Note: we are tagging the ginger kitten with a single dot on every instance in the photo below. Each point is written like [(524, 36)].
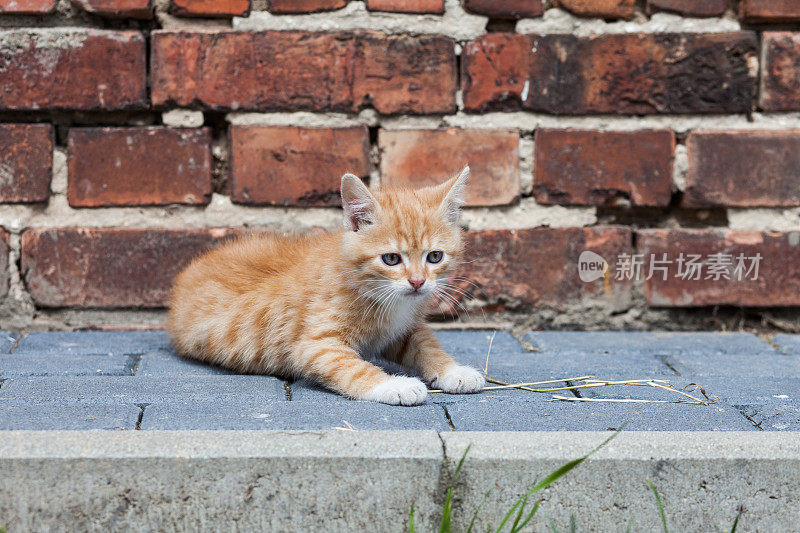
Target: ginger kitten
[(312, 306)]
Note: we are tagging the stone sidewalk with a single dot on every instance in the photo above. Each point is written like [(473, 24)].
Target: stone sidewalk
[(132, 380)]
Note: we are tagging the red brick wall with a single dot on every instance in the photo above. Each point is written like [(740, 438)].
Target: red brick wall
[(135, 133)]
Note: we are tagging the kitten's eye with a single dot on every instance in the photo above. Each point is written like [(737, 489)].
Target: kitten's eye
[(391, 259), (435, 256)]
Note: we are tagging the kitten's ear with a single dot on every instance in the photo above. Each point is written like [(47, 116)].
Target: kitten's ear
[(454, 197), (360, 207)]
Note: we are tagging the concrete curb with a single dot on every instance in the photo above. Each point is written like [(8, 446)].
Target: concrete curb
[(367, 480)]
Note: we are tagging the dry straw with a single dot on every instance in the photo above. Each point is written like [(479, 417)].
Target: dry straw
[(589, 382)]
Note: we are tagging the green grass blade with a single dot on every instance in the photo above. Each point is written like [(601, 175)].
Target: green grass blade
[(529, 517), (660, 506), (508, 516), (736, 521), (444, 524), (411, 520), (630, 525), (475, 515), (573, 527), (565, 468), (519, 513)]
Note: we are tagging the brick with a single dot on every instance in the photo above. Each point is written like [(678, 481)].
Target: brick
[(210, 8), (304, 6), (3, 265), (689, 8), (117, 8), (407, 6), (57, 68), (574, 167), (769, 10), (732, 168), (139, 166), (608, 9), (617, 74), (778, 282), (295, 166), (297, 70), (780, 72), (540, 266), (417, 158), (505, 8), (26, 162), (108, 267), (27, 7)]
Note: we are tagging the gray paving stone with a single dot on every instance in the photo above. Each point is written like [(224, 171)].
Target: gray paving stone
[(745, 390), (7, 340), (94, 342), (233, 414), (566, 416), (168, 363), (59, 364), (764, 365), (773, 417), (788, 344), (663, 343), (67, 416), (141, 389)]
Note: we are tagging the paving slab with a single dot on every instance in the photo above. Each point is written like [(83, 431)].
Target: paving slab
[(235, 414), (219, 481), (663, 342), (167, 363), (543, 415), (94, 342), (780, 417), (141, 389), (7, 341), (703, 479), (61, 364), (787, 343), (63, 416)]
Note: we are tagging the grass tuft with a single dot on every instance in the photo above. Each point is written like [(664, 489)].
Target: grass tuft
[(660, 506)]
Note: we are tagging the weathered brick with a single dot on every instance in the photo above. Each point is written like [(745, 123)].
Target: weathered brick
[(301, 70), (769, 10), (26, 162), (743, 168), (599, 168), (777, 283), (108, 267), (304, 6), (417, 158), (505, 8), (620, 74), (780, 71), (404, 74), (609, 9), (407, 6), (80, 69), (540, 266), (295, 166), (210, 8), (27, 7), (689, 8), (117, 8), (139, 166), (3, 263)]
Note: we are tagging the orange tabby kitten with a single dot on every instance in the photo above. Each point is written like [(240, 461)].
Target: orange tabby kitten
[(313, 306)]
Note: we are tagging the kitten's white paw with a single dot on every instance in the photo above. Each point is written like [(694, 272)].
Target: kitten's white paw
[(460, 380), (398, 390)]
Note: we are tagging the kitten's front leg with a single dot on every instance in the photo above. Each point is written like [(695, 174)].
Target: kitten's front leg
[(423, 352), (337, 366)]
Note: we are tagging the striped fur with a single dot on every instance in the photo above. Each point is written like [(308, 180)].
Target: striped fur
[(315, 306)]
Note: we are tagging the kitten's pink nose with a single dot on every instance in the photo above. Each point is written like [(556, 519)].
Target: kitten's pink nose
[(416, 283)]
